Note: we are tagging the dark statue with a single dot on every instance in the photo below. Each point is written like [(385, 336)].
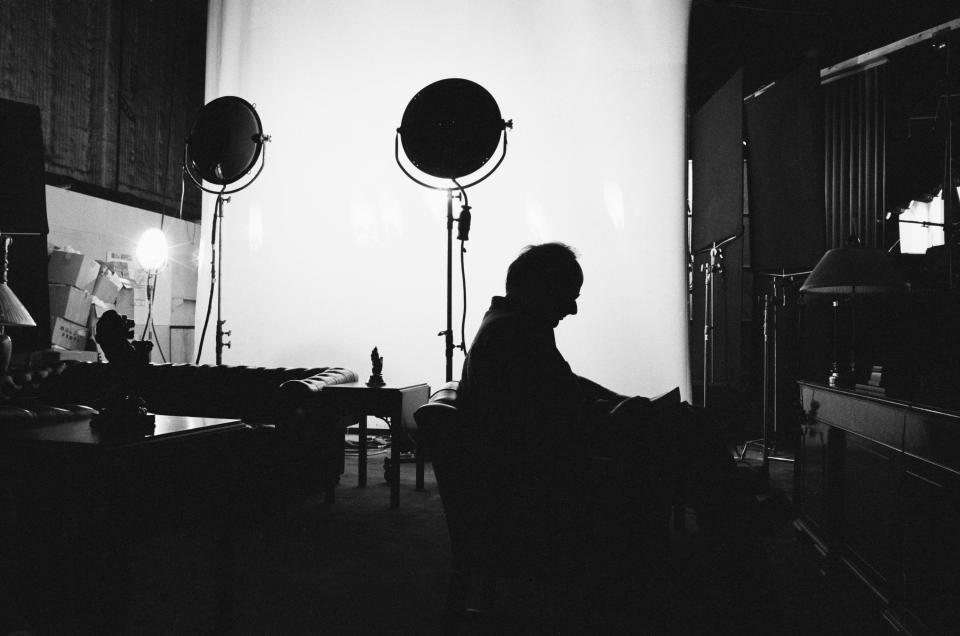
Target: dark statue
[(121, 408), (376, 377)]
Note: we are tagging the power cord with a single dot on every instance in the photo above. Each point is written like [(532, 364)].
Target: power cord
[(217, 208), (463, 234)]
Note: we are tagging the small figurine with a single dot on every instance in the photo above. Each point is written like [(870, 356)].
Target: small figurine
[(121, 409), (376, 379)]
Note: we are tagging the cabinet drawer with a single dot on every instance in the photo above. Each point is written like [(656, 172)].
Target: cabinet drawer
[(880, 421)]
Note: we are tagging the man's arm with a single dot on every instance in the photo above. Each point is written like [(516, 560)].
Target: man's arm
[(594, 392)]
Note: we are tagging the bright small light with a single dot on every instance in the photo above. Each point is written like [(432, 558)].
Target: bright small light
[(152, 250)]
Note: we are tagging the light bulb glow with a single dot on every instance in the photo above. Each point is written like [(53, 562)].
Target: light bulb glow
[(152, 250)]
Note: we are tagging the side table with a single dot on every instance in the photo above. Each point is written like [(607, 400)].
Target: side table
[(395, 403)]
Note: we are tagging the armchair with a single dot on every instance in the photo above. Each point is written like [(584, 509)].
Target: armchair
[(492, 537)]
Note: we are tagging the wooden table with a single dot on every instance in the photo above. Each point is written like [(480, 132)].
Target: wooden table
[(394, 403), (90, 497), (79, 435)]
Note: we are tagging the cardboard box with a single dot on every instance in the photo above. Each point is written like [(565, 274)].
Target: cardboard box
[(124, 302), (107, 285), (71, 268), (68, 335), (69, 302)]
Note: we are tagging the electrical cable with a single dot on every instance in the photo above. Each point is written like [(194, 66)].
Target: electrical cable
[(149, 323), (463, 273), (146, 323), (156, 339)]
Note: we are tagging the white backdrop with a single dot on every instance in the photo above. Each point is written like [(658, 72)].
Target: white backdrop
[(334, 251)]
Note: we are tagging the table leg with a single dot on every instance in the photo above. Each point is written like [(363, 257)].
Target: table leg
[(362, 453), (394, 462)]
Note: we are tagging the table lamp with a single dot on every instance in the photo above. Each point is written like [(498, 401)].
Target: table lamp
[(12, 311), (849, 271)]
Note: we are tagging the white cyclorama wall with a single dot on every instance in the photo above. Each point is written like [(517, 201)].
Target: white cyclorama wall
[(334, 251), (95, 227)]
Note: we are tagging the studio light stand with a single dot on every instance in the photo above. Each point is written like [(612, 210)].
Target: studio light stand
[(713, 266), (770, 428), (225, 144), (449, 130)]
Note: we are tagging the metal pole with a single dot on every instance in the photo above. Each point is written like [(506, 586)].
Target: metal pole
[(448, 333), (707, 283), (766, 374)]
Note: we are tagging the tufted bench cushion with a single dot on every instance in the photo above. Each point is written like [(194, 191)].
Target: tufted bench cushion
[(257, 395)]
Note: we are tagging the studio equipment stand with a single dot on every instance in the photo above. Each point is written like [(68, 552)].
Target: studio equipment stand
[(449, 130), (710, 268), (770, 428), (223, 147)]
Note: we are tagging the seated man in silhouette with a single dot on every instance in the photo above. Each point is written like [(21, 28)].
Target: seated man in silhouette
[(538, 422)]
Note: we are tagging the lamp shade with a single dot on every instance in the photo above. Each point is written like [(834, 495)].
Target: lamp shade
[(12, 311), (854, 270)]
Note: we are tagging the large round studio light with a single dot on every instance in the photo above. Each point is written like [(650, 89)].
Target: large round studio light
[(225, 142), (223, 147), (451, 128)]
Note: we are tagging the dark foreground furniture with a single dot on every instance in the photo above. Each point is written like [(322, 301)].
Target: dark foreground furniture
[(878, 485), (295, 434), (77, 502), (85, 501), (493, 533)]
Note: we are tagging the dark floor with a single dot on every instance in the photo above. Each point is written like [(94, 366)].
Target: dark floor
[(359, 568)]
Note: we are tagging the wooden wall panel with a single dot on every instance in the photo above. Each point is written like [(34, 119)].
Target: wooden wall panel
[(118, 84)]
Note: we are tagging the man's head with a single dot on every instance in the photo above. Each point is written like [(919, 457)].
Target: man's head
[(545, 281)]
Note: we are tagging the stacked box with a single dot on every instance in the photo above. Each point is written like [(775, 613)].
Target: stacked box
[(72, 277), (68, 335), (69, 302), (72, 268), (107, 285)]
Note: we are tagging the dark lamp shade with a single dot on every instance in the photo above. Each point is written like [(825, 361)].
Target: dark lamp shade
[(844, 271), (12, 311)]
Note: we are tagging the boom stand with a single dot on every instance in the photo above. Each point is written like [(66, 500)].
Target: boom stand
[(711, 267), (463, 233), (770, 376), (216, 266)]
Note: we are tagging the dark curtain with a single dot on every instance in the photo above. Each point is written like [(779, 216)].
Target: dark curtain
[(785, 163), (118, 84), (717, 213), (854, 150)]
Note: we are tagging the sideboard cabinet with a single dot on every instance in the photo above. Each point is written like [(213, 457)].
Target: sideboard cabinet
[(878, 488)]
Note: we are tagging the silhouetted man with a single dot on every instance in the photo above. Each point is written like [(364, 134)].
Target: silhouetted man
[(538, 422)]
